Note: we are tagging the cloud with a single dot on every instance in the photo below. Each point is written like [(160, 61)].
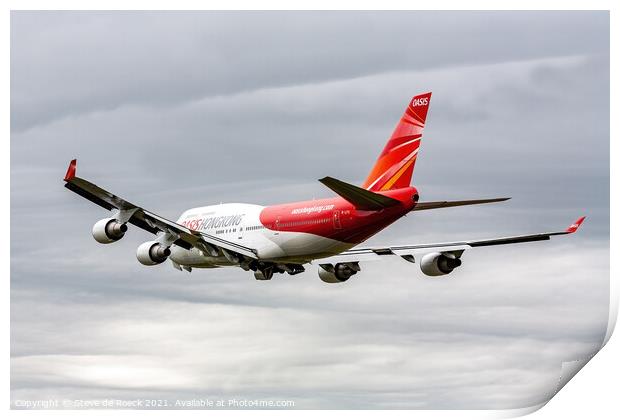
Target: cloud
[(404, 339), (78, 62)]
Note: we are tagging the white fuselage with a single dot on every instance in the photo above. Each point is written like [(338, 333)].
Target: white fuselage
[(240, 223)]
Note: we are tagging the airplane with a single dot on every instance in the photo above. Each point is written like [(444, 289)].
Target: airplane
[(284, 238)]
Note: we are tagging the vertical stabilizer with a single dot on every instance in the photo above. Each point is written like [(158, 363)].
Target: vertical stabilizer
[(394, 168)]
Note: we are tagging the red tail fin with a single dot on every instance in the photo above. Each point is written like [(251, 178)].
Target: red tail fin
[(394, 167)]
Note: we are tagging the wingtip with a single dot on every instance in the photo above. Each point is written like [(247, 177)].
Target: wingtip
[(573, 228), (71, 170)]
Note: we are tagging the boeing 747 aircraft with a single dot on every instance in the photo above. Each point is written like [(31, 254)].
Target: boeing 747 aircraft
[(284, 238)]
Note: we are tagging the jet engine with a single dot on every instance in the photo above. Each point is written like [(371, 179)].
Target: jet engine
[(152, 253), (109, 230), (337, 273), (439, 263)]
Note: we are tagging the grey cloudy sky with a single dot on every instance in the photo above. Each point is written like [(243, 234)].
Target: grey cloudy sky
[(178, 109)]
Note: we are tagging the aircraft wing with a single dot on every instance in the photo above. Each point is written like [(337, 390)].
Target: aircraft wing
[(410, 252), (149, 221)]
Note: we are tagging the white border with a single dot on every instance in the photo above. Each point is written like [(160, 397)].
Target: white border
[(592, 394)]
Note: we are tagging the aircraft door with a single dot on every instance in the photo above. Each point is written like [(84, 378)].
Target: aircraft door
[(336, 219)]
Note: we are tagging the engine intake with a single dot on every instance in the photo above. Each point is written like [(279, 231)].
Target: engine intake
[(439, 264), (337, 273), (152, 253), (109, 230)]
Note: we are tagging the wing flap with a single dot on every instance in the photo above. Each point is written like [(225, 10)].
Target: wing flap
[(97, 195), (89, 196)]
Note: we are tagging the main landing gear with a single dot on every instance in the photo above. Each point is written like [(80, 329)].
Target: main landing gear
[(265, 271)]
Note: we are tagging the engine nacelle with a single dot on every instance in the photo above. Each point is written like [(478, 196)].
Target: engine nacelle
[(109, 230), (439, 264), (152, 253), (337, 273)]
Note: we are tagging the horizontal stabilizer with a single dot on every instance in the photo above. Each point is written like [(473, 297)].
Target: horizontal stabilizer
[(441, 204), (362, 199)]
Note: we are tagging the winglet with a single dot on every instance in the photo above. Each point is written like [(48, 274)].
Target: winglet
[(573, 228), (71, 170)]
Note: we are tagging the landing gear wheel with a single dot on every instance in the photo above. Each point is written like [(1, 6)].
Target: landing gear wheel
[(264, 274)]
